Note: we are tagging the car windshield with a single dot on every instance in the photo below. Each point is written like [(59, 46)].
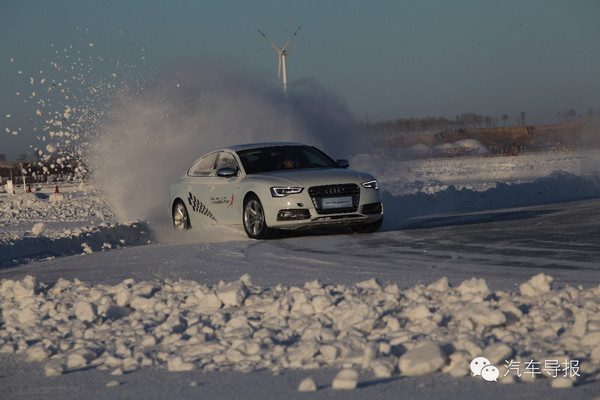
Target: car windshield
[(276, 158)]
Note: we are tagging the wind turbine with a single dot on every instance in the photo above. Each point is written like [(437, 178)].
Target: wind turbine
[(281, 69)]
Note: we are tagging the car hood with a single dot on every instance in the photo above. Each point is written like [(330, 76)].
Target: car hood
[(312, 177)]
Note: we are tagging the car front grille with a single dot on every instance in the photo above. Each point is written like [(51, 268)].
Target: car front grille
[(321, 195)]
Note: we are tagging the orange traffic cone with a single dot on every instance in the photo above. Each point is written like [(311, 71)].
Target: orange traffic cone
[(28, 188), (56, 190)]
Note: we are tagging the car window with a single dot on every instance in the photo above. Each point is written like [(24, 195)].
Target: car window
[(274, 158), (205, 166), (316, 158), (226, 160)]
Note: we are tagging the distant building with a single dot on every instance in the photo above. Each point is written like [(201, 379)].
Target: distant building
[(6, 167), (9, 170)]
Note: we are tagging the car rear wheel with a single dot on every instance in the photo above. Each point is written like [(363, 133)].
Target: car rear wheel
[(254, 219), (181, 219), (368, 228)]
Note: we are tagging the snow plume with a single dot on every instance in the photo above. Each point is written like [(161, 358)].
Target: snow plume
[(65, 96), (151, 136)]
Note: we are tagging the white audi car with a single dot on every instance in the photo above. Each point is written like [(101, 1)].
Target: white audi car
[(270, 186)]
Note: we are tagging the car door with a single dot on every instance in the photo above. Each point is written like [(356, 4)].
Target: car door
[(225, 189), (200, 185)]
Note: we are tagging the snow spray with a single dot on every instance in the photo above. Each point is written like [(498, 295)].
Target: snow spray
[(148, 138)]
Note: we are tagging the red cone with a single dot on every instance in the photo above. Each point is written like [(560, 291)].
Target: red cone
[(28, 188), (56, 190)]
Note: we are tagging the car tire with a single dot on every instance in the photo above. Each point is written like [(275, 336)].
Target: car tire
[(181, 218), (254, 219), (368, 228)]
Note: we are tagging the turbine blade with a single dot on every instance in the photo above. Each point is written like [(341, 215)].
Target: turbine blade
[(290, 41), (269, 40)]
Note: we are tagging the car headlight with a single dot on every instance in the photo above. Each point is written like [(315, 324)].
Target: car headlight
[(371, 184), (285, 191)]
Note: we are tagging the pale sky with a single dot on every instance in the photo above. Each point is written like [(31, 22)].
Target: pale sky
[(382, 59)]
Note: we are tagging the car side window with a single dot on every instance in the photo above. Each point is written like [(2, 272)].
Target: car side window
[(205, 166), (226, 160)]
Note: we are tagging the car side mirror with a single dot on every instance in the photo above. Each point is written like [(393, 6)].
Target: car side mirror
[(343, 163), (226, 172)]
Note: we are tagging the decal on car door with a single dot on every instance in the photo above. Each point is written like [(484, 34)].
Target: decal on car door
[(222, 200), (198, 207)]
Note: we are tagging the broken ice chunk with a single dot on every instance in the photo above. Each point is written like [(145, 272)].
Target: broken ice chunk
[(538, 284), (345, 379), (307, 385), (422, 360)]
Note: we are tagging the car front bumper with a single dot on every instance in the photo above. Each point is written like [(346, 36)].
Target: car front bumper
[(311, 209)]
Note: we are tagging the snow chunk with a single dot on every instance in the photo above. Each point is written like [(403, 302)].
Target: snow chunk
[(383, 367), (441, 285), (425, 359), (38, 228), (232, 294), (372, 284), (176, 363), (497, 353), (79, 358), (591, 339), (85, 311), (345, 379), (536, 285), (54, 367), (307, 385), (473, 286), (86, 248), (37, 352), (481, 314)]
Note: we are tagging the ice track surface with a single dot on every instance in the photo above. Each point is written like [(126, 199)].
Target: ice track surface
[(424, 280)]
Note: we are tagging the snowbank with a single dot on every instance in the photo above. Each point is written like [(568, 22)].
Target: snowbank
[(44, 224), (183, 325), (77, 203), (413, 188)]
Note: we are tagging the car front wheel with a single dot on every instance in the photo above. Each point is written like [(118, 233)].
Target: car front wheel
[(181, 219), (254, 219)]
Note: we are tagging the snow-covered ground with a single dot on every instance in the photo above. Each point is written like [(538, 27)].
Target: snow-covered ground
[(118, 302)]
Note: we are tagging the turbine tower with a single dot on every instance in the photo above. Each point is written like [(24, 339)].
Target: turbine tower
[(281, 68)]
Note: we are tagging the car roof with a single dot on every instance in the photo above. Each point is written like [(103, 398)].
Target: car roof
[(249, 146)]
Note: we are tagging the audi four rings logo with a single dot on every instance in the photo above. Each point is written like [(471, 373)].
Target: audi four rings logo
[(333, 190)]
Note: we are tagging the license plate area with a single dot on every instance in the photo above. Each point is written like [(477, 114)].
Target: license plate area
[(329, 203)]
